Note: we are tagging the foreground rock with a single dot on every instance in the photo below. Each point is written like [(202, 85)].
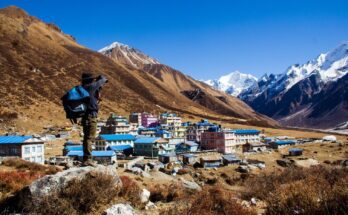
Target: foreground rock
[(120, 209), (45, 185)]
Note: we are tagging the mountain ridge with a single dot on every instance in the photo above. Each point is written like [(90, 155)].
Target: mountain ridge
[(40, 62)]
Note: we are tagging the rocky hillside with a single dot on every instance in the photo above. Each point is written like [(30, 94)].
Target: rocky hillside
[(39, 63), (308, 95)]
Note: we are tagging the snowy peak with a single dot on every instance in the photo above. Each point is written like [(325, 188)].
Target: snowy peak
[(233, 83), (125, 54), (331, 66)]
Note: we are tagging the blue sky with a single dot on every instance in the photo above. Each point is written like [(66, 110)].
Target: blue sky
[(204, 39)]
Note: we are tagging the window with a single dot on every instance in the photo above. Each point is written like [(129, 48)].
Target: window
[(27, 150), (14, 151), (33, 149), (39, 159), (32, 159), (39, 148), (27, 159)]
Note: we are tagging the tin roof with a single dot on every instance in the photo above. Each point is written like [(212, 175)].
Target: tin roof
[(119, 147), (147, 140), (117, 137), (94, 153), (14, 139)]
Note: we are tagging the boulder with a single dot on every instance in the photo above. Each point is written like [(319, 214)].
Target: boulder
[(150, 205), (190, 184), (144, 196), (120, 209), (284, 163)]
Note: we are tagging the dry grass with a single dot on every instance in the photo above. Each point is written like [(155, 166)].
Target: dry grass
[(317, 190), (22, 173), (211, 201), (130, 191), (20, 164)]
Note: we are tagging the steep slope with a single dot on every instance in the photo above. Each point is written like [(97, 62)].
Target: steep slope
[(233, 83), (291, 97), (179, 85), (39, 63)]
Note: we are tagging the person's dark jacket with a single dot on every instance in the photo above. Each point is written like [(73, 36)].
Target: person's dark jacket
[(94, 89)]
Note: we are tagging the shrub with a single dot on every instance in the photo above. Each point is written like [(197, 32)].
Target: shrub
[(12, 181), (168, 193), (216, 200), (315, 190), (130, 190), (79, 196)]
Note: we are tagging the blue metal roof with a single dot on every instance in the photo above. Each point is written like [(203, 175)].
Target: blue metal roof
[(94, 153), (13, 139), (246, 131), (117, 137), (147, 140), (295, 150), (74, 148), (285, 142), (119, 147)]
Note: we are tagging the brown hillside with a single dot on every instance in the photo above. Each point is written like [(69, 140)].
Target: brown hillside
[(38, 63)]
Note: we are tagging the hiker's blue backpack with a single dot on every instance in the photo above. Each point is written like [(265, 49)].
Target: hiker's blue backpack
[(75, 102)]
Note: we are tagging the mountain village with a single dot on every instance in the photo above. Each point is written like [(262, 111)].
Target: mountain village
[(147, 139), (166, 143)]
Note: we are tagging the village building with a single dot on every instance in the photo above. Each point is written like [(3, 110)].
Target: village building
[(121, 149), (195, 130), (295, 152), (103, 141), (279, 143), (102, 157), (163, 134), (186, 146), (230, 159), (149, 132), (170, 119), (254, 147), (151, 146), (149, 120), (116, 125), (26, 147), (210, 161), (135, 118), (189, 159), (69, 148), (167, 158), (228, 141)]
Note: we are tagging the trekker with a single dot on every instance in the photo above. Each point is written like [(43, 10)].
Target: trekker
[(89, 120)]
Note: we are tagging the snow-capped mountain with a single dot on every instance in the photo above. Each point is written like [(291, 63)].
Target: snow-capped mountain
[(127, 55), (233, 83), (295, 91)]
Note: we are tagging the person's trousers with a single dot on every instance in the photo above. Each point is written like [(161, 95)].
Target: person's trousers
[(89, 124)]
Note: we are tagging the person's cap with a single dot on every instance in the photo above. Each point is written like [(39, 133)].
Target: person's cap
[(87, 76)]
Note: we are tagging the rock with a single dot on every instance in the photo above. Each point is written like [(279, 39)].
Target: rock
[(144, 196), (243, 169), (48, 183), (284, 163), (139, 171), (120, 209), (150, 205), (253, 201), (190, 184)]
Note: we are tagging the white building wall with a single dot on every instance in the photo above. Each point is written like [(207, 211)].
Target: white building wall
[(34, 153)]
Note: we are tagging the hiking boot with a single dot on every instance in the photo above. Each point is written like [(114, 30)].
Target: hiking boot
[(89, 162)]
